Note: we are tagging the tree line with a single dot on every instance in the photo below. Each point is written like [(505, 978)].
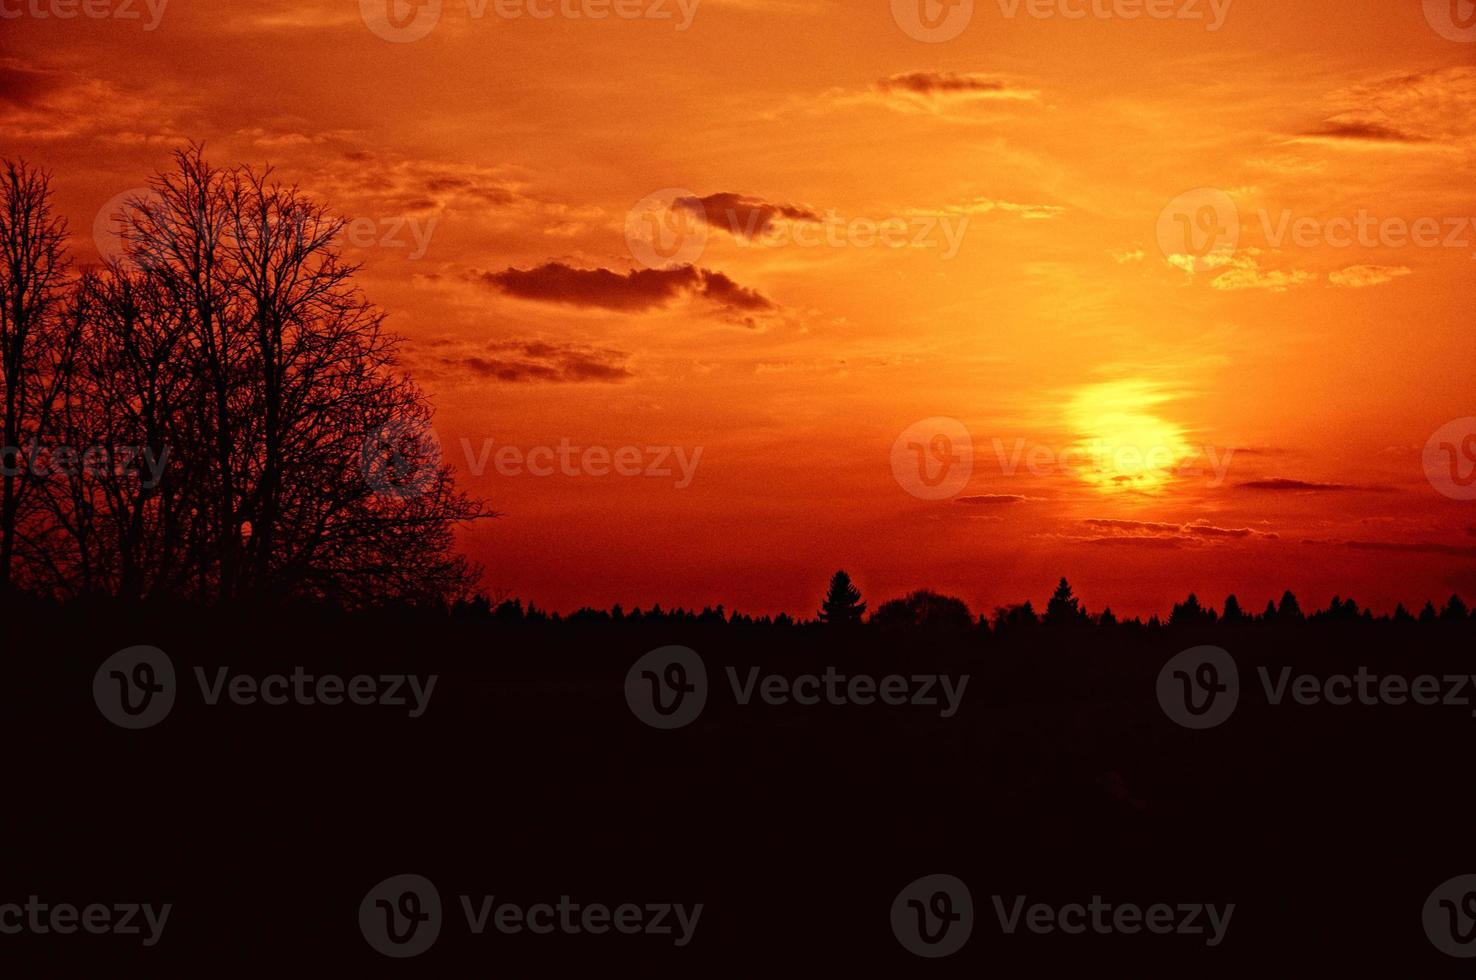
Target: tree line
[(216, 413), (843, 607)]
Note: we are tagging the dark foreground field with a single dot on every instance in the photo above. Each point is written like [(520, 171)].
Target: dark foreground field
[(528, 777)]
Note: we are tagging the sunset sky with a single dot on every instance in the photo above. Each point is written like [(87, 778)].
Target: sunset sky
[(784, 242)]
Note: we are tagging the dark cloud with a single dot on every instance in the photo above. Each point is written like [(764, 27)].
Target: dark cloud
[(534, 361), (1305, 486), (1208, 530), (1365, 132), (24, 86), (740, 215), (1149, 527), (1142, 529), (992, 500), (944, 84), (636, 291), (1412, 548)]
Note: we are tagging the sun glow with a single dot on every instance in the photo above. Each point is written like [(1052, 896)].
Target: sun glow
[(1121, 444)]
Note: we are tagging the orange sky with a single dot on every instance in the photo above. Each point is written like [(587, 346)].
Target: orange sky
[(1026, 230)]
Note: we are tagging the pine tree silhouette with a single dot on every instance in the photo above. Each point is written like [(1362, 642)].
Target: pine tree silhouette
[(842, 603), (1189, 612), (1063, 609)]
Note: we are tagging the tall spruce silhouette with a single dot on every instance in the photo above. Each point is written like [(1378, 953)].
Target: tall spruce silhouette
[(842, 605)]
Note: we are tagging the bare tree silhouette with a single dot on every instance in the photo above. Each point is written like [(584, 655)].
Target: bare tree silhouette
[(274, 451), (32, 280)]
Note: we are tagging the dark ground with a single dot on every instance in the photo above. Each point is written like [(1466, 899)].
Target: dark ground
[(529, 777)]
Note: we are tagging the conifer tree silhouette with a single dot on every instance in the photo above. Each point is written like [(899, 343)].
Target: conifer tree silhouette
[(1063, 609), (842, 603)]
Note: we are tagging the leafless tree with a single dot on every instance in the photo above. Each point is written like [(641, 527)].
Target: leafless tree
[(33, 269), (275, 451)]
